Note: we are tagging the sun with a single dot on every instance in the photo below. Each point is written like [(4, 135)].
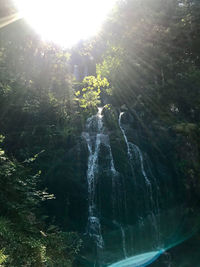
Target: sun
[(65, 22)]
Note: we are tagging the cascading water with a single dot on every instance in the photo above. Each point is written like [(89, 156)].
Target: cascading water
[(133, 148), (123, 241), (149, 205), (124, 135), (124, 206), (95, 138), (134, 152), (150, 239), (123, 237), (140, 156)]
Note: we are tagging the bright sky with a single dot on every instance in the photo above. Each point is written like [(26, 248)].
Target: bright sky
[(65, 22)]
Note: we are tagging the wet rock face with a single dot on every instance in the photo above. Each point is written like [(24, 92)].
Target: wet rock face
[(70, 188), (187, 147), (124, 193), (121, 185)]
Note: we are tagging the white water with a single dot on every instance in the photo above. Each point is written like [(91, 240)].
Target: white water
[(93, 140), (95, 137), (134, 152), (139, 152), (123, 241), (127, 221), (130, 147), (124, 135), (123, 238)]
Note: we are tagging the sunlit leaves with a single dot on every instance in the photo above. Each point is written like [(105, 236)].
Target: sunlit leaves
[(3, 257), (77, 93), (89, 96), (32, 159)]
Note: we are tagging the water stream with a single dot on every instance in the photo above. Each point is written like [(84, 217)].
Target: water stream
[(151, 207), (123, 208), (95, 137)]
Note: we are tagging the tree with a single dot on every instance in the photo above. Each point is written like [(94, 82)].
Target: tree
[(89, 96)]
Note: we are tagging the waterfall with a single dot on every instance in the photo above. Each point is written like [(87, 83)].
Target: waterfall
[(123, 237), (125, 223), (135, 154), (124, 135), (76, 72), (123, 241), (95, 138), (115, 206), (130, 147), (139, 152)]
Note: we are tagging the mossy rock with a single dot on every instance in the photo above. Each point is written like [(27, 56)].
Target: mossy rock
[(185, 128), (110, 117)]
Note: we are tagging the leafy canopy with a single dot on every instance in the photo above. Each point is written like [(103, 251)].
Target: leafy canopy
[(89, 95)]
